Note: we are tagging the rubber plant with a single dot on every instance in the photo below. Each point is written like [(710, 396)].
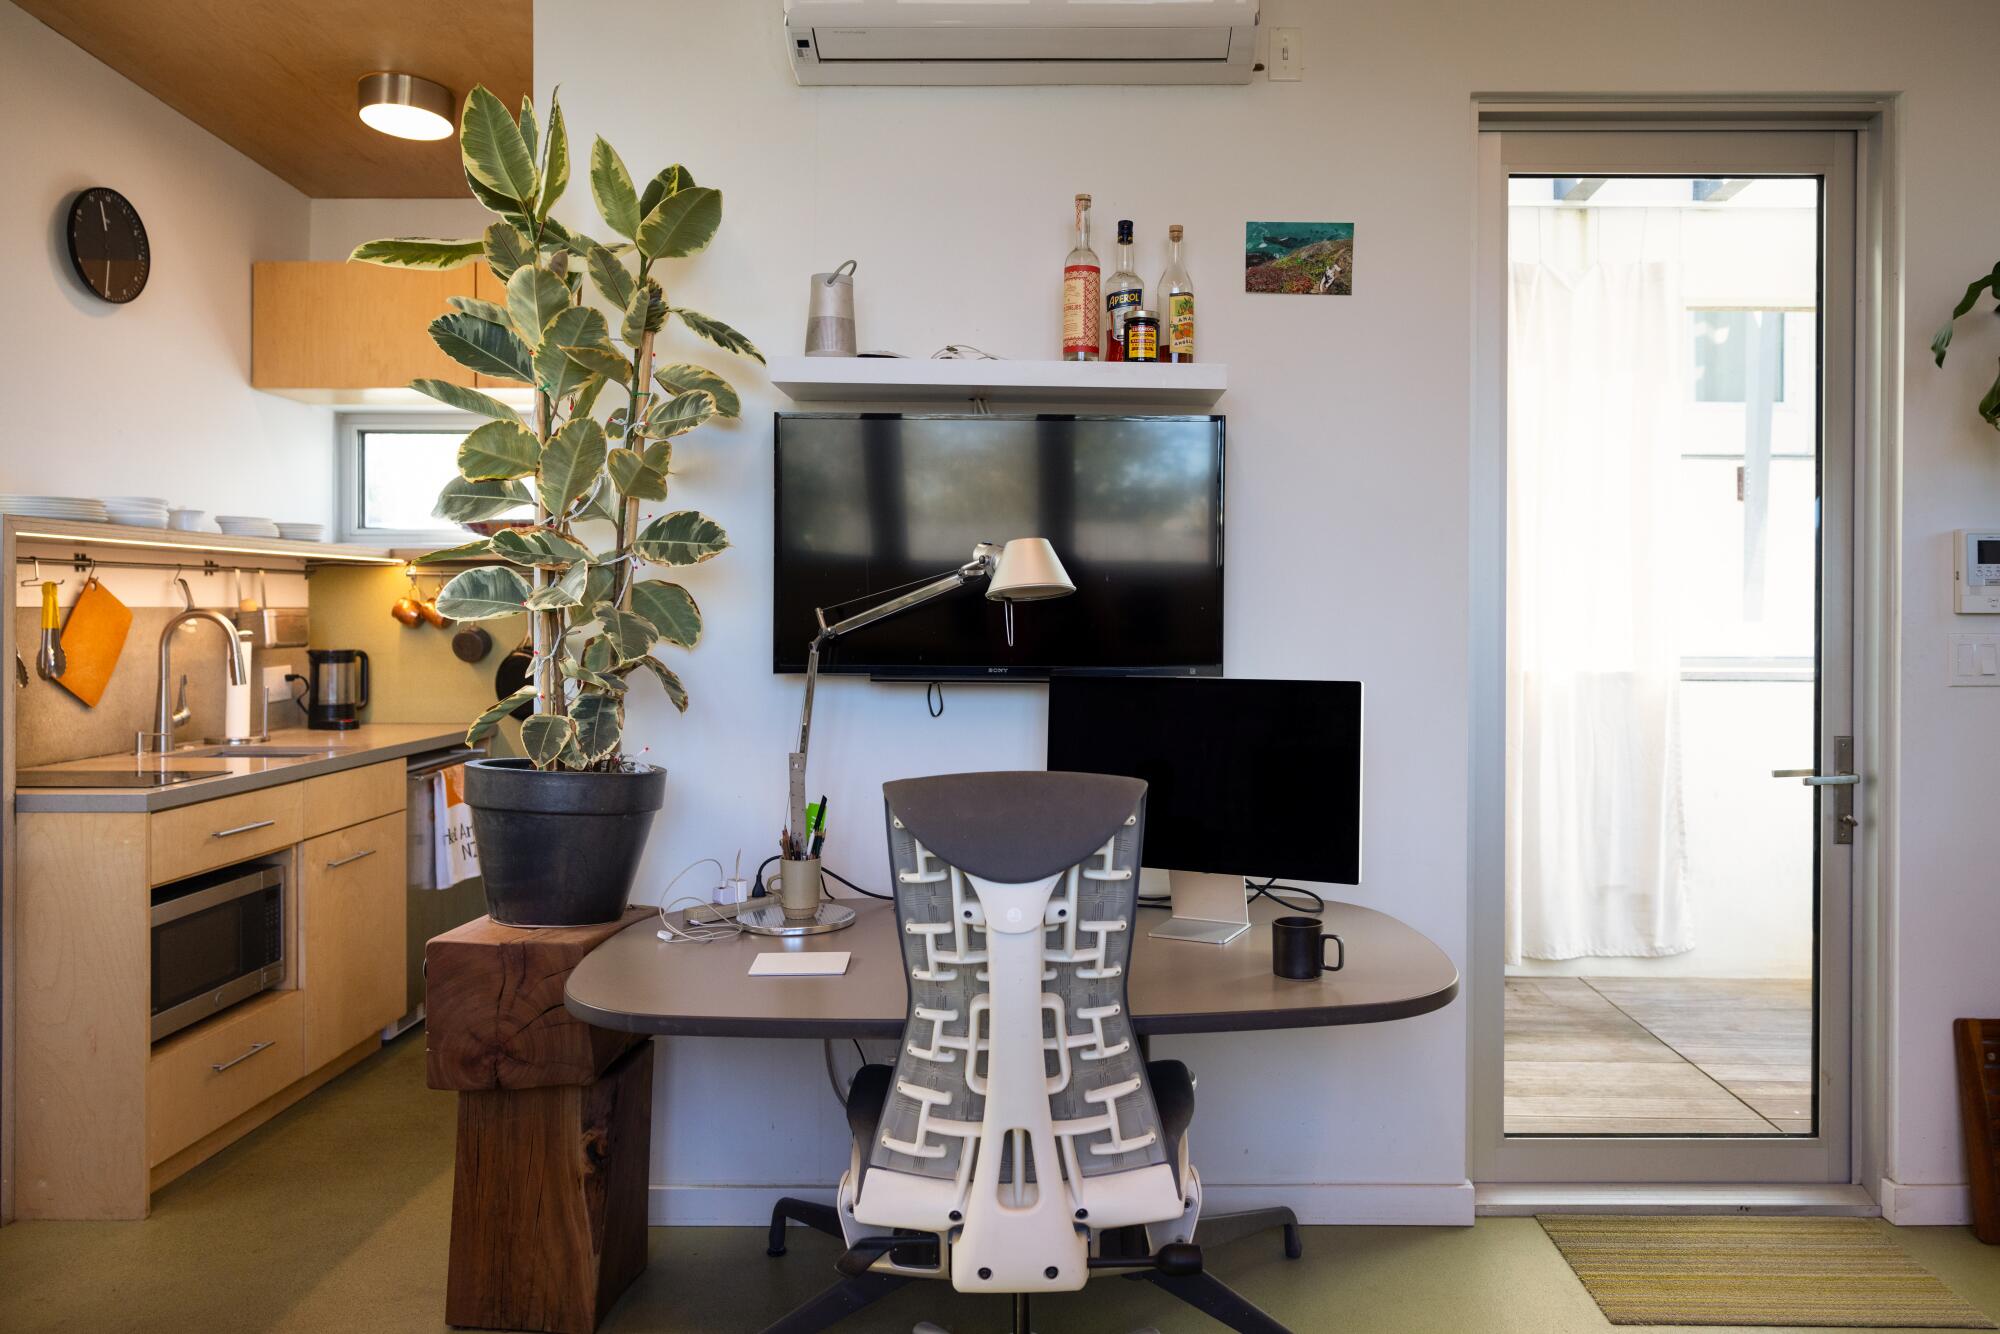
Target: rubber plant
[(595, 623), (1989, 406)]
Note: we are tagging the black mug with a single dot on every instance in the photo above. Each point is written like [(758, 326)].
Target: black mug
[(1298, 949)]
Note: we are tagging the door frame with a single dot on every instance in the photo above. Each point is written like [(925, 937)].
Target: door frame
[(1849, 1147)]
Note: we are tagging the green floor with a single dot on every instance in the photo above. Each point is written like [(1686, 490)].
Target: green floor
[(334, 1217)]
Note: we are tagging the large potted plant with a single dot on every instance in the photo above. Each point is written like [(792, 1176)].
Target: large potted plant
[(561, 831), (1989, 406)]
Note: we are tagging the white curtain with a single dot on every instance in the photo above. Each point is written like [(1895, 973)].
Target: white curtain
[(1597, 367)]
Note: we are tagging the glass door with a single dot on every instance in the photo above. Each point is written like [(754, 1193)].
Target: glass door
[(1672, 951)]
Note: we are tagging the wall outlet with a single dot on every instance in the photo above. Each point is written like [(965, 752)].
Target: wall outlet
[(276, 688), (1975, 660), (1288, 54)]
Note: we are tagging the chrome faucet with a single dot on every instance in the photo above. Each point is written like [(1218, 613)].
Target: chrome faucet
[(161, 738)]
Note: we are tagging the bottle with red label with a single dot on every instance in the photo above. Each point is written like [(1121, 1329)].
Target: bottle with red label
[(1082, 285)]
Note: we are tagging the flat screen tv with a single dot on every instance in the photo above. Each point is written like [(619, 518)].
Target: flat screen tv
[(868, 502)]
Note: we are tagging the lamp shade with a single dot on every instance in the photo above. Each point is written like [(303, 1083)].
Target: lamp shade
[(1029, 571), (405, 106)]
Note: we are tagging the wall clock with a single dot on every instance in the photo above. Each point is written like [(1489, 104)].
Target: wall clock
[(107, 244)]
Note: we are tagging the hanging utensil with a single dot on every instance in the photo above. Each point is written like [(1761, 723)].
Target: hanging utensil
[(49, 659)]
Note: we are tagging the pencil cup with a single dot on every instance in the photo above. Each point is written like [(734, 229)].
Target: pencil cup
[(798, 887)]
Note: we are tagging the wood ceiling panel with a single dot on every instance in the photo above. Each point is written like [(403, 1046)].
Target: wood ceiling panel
[(274, 79)]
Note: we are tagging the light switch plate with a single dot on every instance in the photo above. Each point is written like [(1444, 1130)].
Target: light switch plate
[(1288, 54), (1975, 660)]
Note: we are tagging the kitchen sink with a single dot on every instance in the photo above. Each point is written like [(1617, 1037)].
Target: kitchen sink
[(256, 752)]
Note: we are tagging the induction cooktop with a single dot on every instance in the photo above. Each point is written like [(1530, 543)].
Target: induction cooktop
[(111, 777)]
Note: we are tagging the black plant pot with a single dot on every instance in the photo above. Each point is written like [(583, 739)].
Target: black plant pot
[(559, 848)]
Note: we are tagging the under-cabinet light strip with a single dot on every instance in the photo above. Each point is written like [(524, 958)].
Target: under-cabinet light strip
[(92, 539)]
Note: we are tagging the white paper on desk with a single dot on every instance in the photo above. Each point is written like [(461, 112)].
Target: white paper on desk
[(825, 963)]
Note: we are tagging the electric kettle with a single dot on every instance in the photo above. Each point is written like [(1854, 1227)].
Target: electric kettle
[(337, 689)]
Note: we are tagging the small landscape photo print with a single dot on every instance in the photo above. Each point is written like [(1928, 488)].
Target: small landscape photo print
[(1306, 258)]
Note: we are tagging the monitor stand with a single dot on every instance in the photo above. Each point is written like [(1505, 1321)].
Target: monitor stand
[(1212, 909)]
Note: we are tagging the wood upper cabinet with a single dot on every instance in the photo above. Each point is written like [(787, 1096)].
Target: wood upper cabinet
[(337, 325), (351, 914)]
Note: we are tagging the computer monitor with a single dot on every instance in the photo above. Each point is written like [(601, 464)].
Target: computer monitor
[(1257, 779)]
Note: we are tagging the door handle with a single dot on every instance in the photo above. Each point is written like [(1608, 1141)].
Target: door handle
[(255, 1047), (343, 861), (1843, 781), (242, 829)]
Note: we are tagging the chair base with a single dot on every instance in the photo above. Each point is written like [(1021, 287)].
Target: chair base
[(1203, 1291)]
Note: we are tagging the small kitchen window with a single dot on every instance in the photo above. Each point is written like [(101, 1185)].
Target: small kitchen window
[(392, 467)]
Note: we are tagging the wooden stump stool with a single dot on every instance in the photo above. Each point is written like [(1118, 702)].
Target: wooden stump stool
[(548, 1205)]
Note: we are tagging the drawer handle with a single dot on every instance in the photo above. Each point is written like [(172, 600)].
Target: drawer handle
[(255, 1047), (242, 829), (342, 861)]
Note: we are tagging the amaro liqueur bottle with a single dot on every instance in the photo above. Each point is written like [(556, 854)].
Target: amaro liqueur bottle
[(1176, 302), (1082, 281), (1122, 295)]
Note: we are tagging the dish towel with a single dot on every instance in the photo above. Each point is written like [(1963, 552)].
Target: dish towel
[(455, 854)]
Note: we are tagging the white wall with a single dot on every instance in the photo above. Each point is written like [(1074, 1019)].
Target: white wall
[(152, 397), (1349, 423)]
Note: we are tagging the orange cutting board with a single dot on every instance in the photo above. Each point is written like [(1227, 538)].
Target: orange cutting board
[(92, 639)]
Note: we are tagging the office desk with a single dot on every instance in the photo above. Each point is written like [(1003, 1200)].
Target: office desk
[(638, 983)]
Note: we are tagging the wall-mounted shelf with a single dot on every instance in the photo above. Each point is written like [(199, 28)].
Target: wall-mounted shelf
[(172, 544), (939, 380)]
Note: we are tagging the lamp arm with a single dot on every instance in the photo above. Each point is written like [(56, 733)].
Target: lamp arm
[(985, 559)]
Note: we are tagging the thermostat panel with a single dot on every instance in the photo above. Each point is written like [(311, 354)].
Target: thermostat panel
[(1976, 570)]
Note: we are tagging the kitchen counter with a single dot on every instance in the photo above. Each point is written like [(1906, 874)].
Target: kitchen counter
[(370, 743)]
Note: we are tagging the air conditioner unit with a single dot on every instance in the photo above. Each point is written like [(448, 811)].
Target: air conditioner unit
[(1021, 41)]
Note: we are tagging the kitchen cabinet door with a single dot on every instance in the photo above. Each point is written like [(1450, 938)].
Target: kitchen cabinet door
[(351, 906), (335, 325)]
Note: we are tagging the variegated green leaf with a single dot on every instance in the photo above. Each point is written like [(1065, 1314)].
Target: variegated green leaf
[(464, 551), (641, 474), (681, 538), (586, 396), (669, 180), (563, 593), (628, 633), (555, 165), (466, 400), (599, 724), (482, 310), (598, 655), (473, 502), (681, 224), (497, 451), (611, 187), (576, 671), (537, 545), (676, 692), (605, 361), (679, 414), (482, 726), (718, 333), (683, 379), (534, 298), (507, 250), (670, 608), (486, 348), (555, 369), (526, 120), (417, 252), (571, 463), (645, 312), (613, 279), (598, 587), (482, 593), (545, 736), (602, 505), (495, 154)]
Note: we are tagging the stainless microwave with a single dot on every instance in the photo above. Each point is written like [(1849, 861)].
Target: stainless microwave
[(217, 939)]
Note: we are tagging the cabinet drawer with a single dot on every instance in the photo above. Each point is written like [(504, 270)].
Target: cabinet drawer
[(215, 833), (335, 801), (205, 1078)]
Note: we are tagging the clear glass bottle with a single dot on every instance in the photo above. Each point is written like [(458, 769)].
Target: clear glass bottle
[(1123, 294), (1176, 304), (1082, 280)]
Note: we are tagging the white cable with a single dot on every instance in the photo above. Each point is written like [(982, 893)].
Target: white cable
[(715, 928)]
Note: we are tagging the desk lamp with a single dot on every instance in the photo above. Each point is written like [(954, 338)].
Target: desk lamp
[(1027, 569)]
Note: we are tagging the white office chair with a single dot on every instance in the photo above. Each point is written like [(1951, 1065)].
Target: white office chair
[(1022, 1143)]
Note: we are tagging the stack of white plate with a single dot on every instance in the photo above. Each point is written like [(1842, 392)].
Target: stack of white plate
[(303, 532), (55, 507), (138, 511), (245, 525)]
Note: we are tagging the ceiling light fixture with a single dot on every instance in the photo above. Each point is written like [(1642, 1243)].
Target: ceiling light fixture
[(405, 106)]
